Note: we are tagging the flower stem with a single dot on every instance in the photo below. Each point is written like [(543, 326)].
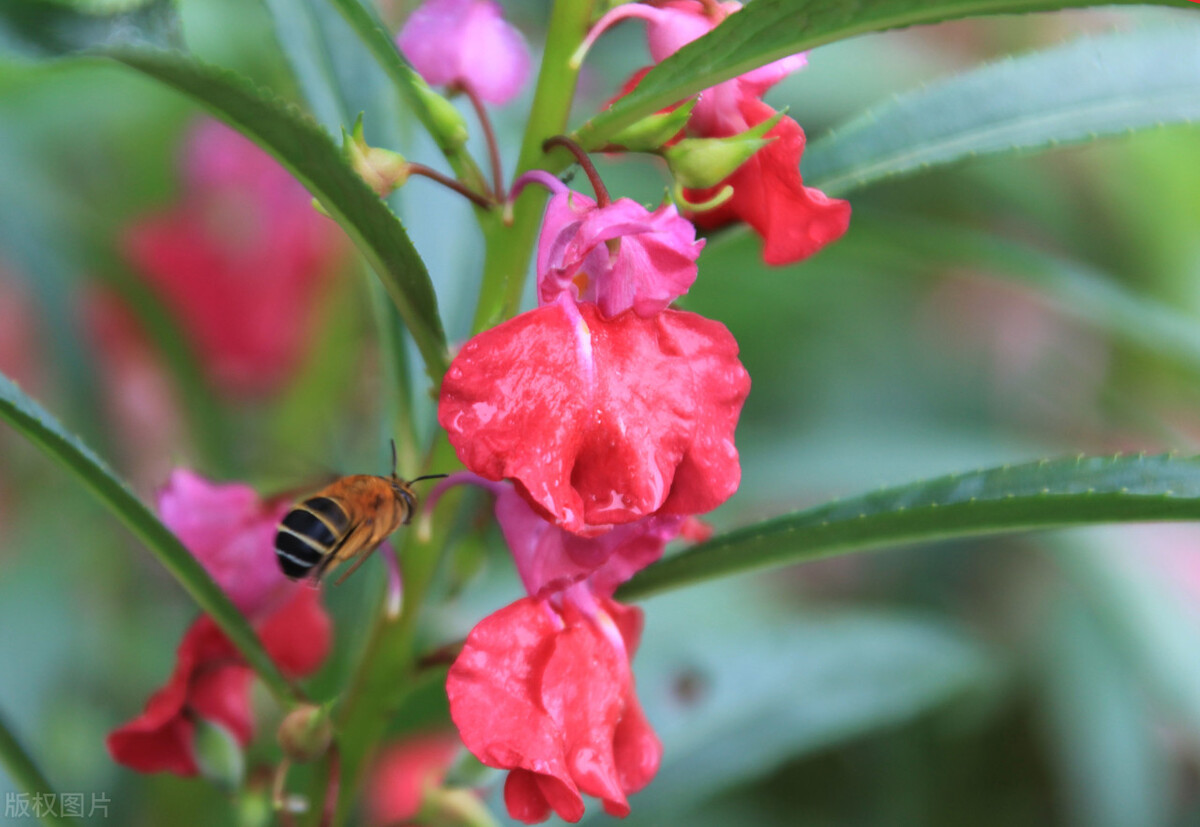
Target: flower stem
[(509, 247), (462, 189), (485, 123), (602, 197), (387, 670)]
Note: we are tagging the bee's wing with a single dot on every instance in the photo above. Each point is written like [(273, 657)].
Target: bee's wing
[(353, 544)]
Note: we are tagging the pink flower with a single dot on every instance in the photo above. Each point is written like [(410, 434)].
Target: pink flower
[(402, 773), (618, 256), (232, 535), (793, 220), (673, 25), (550, 559), (240, 260), (468, 44), (600, 422), (548, 694)]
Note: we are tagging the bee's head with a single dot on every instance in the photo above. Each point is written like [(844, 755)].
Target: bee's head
[(404, 494)]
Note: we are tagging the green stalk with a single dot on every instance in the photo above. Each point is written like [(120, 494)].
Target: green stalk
[(386, 672), (24, 772), (509, 248)]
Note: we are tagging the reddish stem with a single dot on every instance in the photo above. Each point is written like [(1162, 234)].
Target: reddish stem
[(602, 197), (333, 786), (490, 134), (458, 186)]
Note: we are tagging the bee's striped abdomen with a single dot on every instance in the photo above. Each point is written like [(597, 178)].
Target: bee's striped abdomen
[(308, 533)]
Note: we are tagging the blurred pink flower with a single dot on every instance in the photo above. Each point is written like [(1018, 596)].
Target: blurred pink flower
[(467, 44), (240, 259), (232, 533), (136, 392), (402, 773)]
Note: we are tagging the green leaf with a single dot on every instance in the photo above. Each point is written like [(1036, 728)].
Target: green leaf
[(737, 684), (300, 146), (1077, 290), (23, 771), (768, 30), (1112, 765), (1146, 609), (1045, 494), (39, 427), (338, 77), (1103, 86), (41, 29)]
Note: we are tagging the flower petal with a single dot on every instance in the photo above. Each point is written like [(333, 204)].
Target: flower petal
[(592, 418), (793, 220)]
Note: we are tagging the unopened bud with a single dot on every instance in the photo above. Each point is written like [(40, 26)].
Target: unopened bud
[(652, 131), (382, 169), (445, 807), (305, 733), (699, 163), (450, 128), (218, 755)]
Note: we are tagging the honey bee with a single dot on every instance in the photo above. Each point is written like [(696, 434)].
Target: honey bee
[(347, 519)]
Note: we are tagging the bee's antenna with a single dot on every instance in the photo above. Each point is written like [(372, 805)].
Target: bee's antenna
[(428, 477), (393, 457)]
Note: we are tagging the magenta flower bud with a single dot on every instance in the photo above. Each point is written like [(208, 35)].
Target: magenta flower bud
[(467, 44)]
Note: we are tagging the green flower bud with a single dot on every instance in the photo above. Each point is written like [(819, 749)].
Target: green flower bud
[(450, 128), (219, 755), (652, 131), (699, 163), (382, 169)]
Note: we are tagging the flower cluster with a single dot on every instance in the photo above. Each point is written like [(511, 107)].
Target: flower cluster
[(601, 420), (231, 532), (768, 193)]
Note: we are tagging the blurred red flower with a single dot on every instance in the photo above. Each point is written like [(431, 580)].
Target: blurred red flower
[(547, 692), (240, 259), (18, 332), (466, 43), (211, 682), (403, 772)]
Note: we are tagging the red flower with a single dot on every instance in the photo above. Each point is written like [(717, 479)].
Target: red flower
[(403, 772), (211, 682), (239, 260), (793, 220), (549, 695), (600, 422), (231, 532)]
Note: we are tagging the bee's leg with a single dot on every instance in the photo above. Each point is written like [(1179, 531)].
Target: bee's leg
[(353, 566)]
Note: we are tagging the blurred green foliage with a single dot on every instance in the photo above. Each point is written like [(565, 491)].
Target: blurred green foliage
[(1039, 680)]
